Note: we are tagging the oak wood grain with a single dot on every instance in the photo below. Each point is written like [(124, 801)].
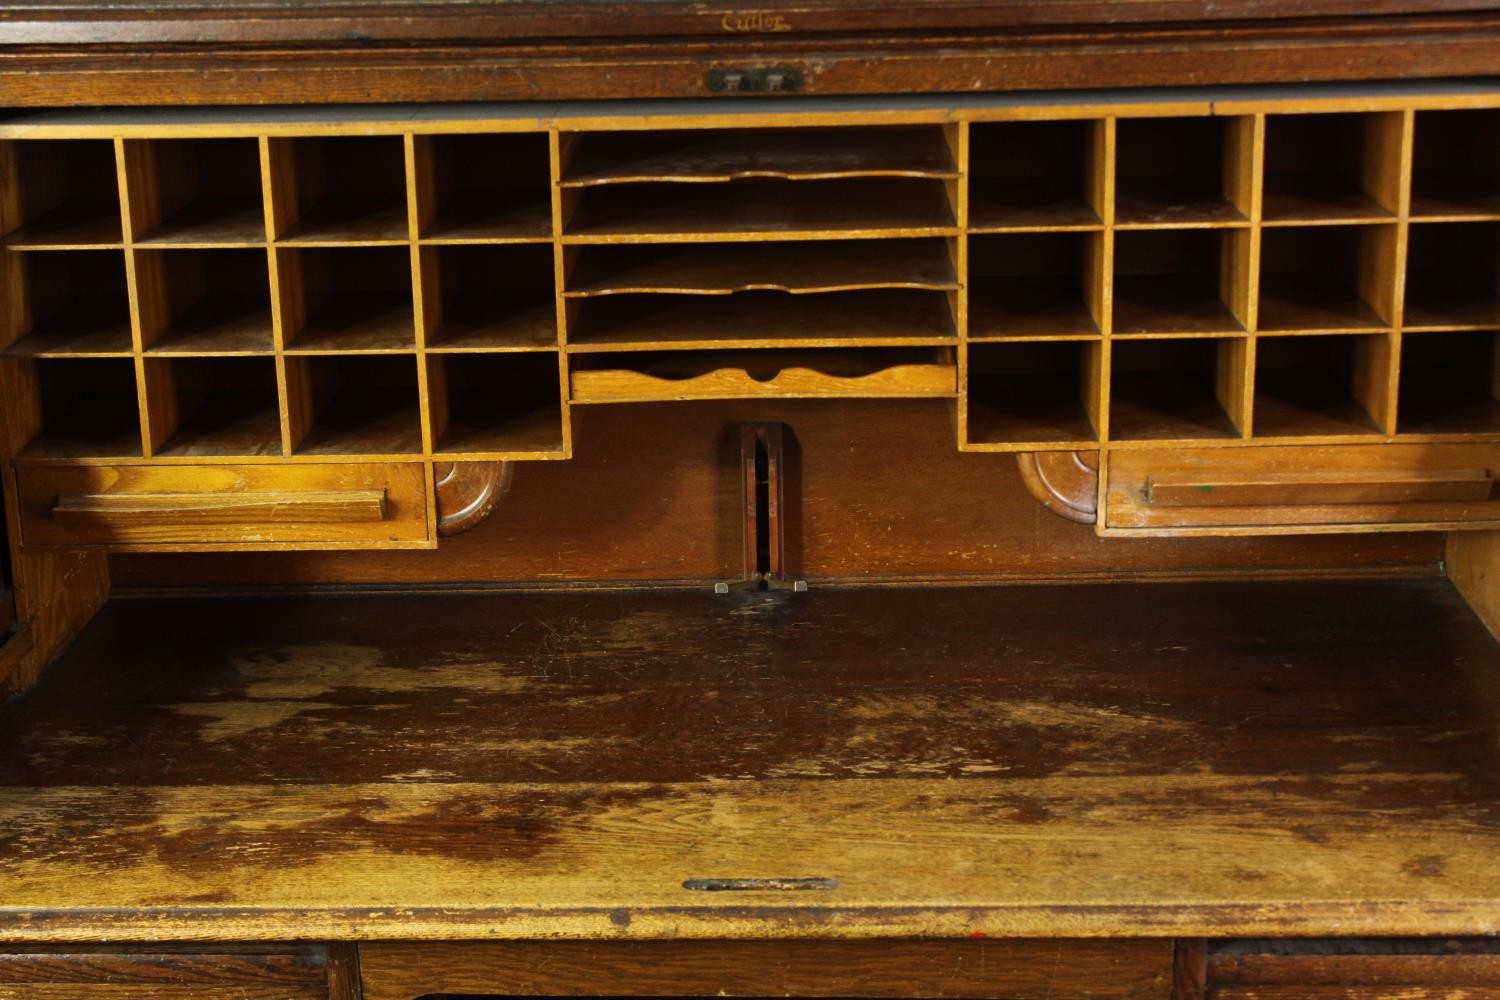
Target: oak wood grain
[(1470, 564), (233, 973), (625, 378), (708, 157), (56, 593), (299, 507), (1013, 969), (1396, 486), (1279, 487), (1357, 969), (184, 506), (566, 763), (796, 268)]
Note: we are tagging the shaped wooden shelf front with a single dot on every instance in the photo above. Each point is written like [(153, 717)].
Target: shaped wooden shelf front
[(724, 155)]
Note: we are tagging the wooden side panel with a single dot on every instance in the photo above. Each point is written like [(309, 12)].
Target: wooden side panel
[(15, 647), (9, 654), (55, 596), (57, 593), (1014, 969), (1473, 564)]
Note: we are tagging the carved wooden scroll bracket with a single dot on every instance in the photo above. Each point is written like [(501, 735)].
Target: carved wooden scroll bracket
[(1065, 482), (468, 492)]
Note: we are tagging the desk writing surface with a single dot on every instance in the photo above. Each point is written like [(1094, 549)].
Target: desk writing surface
[(1209, 758)]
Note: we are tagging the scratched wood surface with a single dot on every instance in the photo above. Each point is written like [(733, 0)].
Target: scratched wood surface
[(1203, 759)]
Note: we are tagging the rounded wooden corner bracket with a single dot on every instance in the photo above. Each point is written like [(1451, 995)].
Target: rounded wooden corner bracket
[(1065, 482), (469, 492)]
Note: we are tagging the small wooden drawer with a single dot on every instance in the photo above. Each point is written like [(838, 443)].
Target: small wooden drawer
[(1016, 969), (628, 377), (1353, 969), (298, 973), (248, 507), (1284, 490)]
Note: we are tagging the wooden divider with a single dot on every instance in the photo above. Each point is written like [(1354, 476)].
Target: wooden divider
[(1256, 271), (276, 296)]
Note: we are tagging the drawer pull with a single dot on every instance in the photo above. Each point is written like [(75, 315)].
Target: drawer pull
[(301, 507), (760, 884), (1294, 488)]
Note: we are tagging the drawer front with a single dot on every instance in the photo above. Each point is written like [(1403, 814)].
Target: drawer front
[(145, 508), (54, 974), (1014, 969), (1354, 970), (1279, 490), (631, 377)]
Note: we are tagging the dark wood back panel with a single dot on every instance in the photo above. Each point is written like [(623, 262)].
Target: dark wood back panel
[(878, 491)]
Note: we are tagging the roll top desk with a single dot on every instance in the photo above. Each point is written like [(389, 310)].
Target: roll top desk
[(1032, 542)]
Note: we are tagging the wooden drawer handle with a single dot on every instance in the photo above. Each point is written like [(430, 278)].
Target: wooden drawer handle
[(1304, 488), (299, 507)]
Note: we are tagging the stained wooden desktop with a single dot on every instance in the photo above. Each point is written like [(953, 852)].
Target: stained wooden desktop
[(1207, 760), (945, 762)]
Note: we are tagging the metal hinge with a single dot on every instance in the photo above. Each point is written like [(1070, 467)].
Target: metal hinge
[(768, 80)]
